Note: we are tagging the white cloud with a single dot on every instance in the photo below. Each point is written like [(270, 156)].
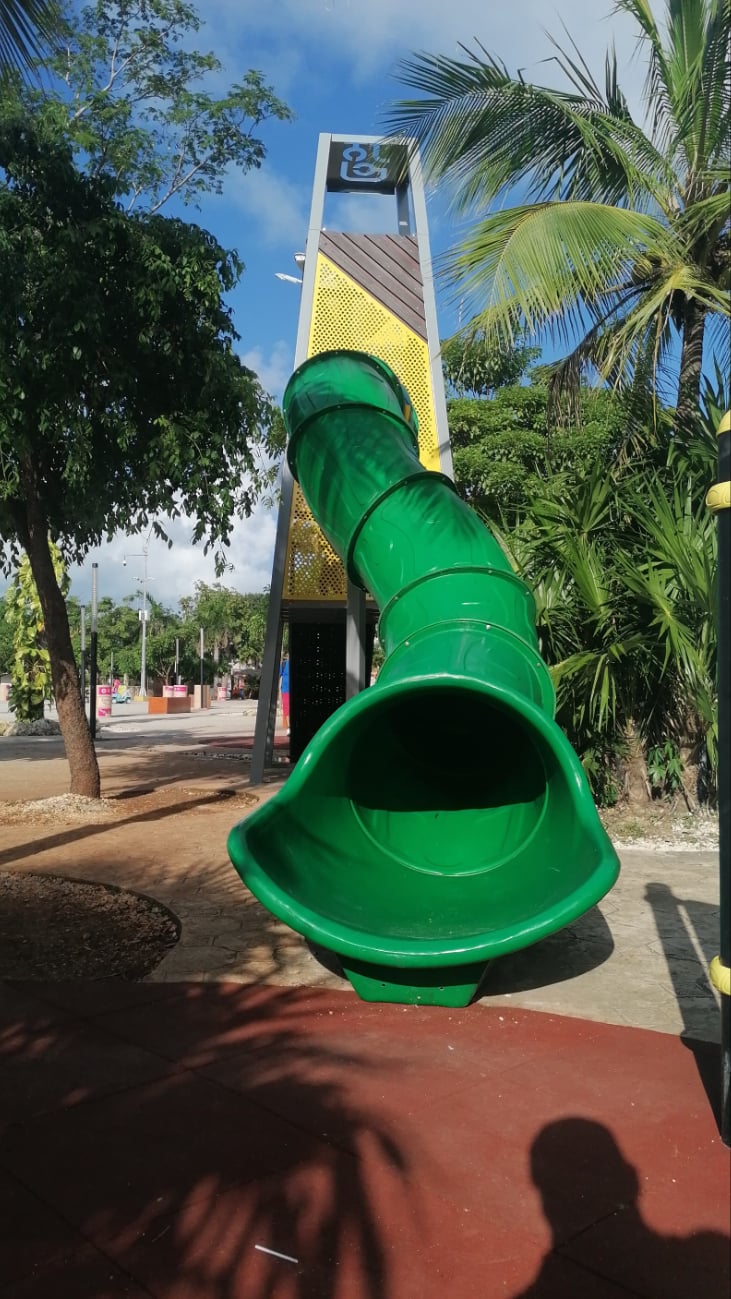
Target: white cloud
[(173, 573), (273, 369), (365, 214), (279, 208), (371, 37)]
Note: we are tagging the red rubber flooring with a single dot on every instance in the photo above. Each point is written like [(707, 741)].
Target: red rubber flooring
[(214, 1141)]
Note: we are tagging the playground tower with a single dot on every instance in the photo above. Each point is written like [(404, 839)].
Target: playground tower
[(366, 292)]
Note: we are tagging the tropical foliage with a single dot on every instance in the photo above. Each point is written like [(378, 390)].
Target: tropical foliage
[(6, 638), (233, 623), (29, 663), (622, 562), (506, 450), (611, 234), (129, 87), (620, 552)]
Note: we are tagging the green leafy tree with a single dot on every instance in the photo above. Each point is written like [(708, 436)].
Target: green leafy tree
[(6, 638), (122, 395), (620, 241), (189, 663), (251, 628), (508, 452), (234, 624), (473, 366), (118, 637), (30, 665), (129, 88), (215, 610), (25, 28), (164, 628)]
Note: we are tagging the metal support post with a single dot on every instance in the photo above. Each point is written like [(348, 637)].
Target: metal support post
[(719, 500), (144, 579), (355, 641), (143, 654), (266, 713)]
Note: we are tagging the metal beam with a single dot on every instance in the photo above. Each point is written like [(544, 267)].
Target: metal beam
[(430, 310), (266, 713), (355, 641)]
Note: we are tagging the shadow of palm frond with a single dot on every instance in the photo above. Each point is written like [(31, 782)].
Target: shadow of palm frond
[(219, 1136)]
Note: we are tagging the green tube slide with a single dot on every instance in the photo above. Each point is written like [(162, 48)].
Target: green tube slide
[(439, 819)]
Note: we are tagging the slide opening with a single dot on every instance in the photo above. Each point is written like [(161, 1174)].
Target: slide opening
[(446, 780)]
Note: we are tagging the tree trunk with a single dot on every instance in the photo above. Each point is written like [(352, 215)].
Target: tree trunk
[(637, 791), (691, 367), (80, 752)]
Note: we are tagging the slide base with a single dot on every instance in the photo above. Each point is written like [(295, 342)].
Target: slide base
[(441, 986)]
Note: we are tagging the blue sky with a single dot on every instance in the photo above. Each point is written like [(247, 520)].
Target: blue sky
[(333, 62)]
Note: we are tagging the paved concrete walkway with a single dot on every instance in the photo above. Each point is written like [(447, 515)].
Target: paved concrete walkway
[(640, 958)]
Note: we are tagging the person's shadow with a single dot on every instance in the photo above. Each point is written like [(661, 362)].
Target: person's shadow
[(601, 1242)]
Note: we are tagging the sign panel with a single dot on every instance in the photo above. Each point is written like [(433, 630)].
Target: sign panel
[(361, 165)]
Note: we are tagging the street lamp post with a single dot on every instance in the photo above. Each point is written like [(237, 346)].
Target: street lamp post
[(143, 611), (82, 663), (93, 658)]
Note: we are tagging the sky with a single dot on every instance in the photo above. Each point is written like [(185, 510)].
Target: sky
[(334, 64)]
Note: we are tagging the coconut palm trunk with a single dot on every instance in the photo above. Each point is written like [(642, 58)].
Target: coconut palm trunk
[(691, 368)]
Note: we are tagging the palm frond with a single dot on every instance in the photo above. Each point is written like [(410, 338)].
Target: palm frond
[(25, 25), (706, 214), (538, 266), (651, 317), (619, 246), (657, 96), (483, 130)]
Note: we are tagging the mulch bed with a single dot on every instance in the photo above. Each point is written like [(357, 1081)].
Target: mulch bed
[(54, 928)]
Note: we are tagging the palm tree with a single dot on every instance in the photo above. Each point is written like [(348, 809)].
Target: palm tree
[(24, 26), (622, 565), (620, 243)]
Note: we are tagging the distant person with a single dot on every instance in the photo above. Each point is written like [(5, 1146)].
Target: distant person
[(284, 691), (583, 1179)]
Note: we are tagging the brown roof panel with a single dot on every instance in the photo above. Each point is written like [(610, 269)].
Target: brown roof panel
[(387, 267)]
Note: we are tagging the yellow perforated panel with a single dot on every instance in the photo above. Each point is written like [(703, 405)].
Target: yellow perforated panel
[(345, 315), (313, 570)]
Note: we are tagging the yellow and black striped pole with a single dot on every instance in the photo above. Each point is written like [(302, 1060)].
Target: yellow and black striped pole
[(719, 500)]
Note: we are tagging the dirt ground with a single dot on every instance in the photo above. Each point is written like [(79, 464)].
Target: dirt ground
[(160, 831)]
